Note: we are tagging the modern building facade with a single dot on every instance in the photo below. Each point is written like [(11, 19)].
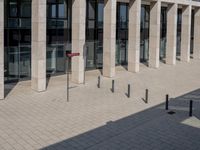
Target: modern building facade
[(35, 36)]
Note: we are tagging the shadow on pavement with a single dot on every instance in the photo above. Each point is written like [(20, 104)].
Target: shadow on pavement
[(153, 128)]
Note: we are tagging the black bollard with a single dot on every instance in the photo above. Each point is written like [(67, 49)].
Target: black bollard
[(113, 86), (167, 102), (191, 108), (147, 96), (129, 91), (99, 82)]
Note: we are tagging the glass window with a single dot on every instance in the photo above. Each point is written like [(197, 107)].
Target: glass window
[(94, 34)]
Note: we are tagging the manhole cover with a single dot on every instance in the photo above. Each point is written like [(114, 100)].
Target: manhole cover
[(171, 112)]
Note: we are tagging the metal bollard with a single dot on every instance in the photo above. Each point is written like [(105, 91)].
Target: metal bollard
[(147, 96), (129, 91), (167, 102), (113, 86), (191, 108), (99, 82)]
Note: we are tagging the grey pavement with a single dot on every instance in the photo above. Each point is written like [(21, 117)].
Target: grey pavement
[(99, 119)]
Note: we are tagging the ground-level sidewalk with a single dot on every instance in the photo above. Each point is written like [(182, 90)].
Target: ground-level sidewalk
[(99, 119)]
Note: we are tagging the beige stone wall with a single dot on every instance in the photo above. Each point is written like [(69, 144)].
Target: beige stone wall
[(109, 38), (38, 52), (186, 33), (1, 49), (134, 35), (171, 34), (78, 39), (154, 34), (196, 52)]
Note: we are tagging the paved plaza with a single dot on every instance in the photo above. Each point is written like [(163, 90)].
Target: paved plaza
[(97, 119)]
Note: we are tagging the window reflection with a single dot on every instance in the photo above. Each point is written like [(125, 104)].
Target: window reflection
[(94, 33), (144, 33), (122, 34), (58, 34), (17, 40)]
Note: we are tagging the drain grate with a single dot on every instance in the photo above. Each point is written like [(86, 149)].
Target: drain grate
[(171, 112)]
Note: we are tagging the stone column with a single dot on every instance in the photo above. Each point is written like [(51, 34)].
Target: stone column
[(154, 35), (186, 33), (109, 38), (1, 49), (78, 39), (196, 51), (134, 36), (171, 34), (38, 50)]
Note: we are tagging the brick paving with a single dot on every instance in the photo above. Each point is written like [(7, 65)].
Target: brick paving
[(98, 119)]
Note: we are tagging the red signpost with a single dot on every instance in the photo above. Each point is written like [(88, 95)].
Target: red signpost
[(69, 55)]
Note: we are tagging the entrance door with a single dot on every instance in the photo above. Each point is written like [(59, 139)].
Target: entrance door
[(94, 34), (17, 40), (122, 34), (144, 38), (163, 32)]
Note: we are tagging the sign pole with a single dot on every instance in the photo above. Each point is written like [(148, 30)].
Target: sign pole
[(69, 56), (67, 79)]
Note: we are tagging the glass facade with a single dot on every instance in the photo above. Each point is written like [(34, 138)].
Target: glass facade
[(144, 33), (58, 35), (17, 38), (59, 18), (179, 22), (192, 32), (122, 34), (94, 34), (163, 32)]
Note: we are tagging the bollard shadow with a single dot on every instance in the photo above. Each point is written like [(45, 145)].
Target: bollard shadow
[(144, 100), (126, 94), (112, 90), (153, 128)]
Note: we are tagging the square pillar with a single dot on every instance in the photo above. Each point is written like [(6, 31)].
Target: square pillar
[(78, 39), (109, 38), (154, 35), (38, 50), (1, 49), (134, 35), (186, 33), (171, 34), (196, 51)]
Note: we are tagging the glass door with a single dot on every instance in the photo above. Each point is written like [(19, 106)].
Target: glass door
[(144, 33), (122, 34), (58, 35), (163, 32), (17, 39), (94, 34), (179, 28)]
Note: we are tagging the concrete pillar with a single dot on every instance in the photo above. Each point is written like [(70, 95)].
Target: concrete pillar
[(1, 49), (134, 36), (154, 35), (196, 51), (109, 38), (186, 33), (171, 34), (78, 39), (38, 51)]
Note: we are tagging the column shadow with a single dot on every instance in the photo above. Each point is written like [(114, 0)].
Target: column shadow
[(153, 128)]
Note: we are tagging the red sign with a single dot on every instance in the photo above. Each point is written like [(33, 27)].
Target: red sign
[(73, 54)]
